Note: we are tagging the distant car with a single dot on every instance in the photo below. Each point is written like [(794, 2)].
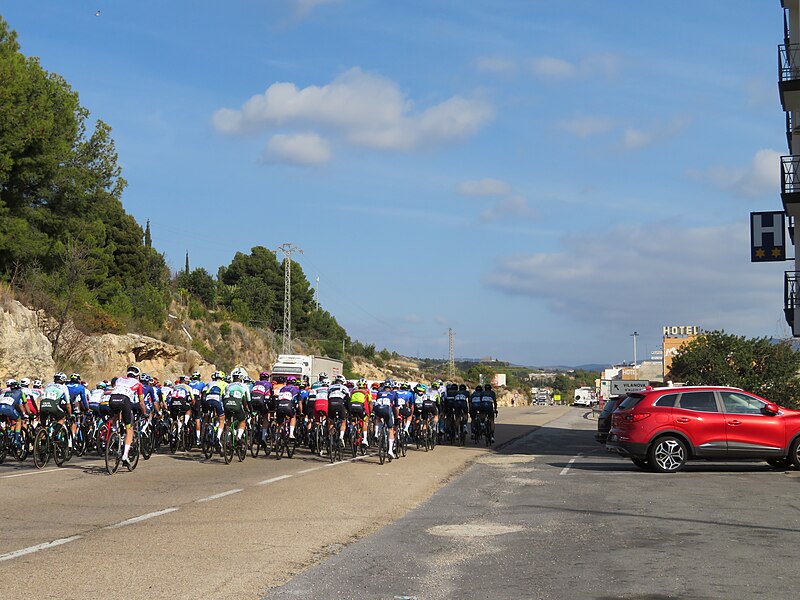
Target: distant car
[(604, 420), (663, 428)]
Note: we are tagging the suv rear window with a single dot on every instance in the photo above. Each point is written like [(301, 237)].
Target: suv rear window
[(666, 400), (631, 401), (609, 407)]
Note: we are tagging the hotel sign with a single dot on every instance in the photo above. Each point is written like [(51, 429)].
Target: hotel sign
[(674, 330), (767, 239)]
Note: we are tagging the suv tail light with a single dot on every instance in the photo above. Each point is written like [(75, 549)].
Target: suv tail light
[(636, 417)]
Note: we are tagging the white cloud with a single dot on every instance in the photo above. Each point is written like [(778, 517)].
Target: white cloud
[(366, 109), (303, 7), (587, 125), (606, 65), (653, 275), (760, 178), (512, 206), (484, 187), (299, 149), (496, 65), (635, 139)]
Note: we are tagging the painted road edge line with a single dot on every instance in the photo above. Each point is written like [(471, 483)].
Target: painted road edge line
[(309, 470), (571, 462), (34, 473), (274, 479), (220, 495), (37, 547), (141, 518)]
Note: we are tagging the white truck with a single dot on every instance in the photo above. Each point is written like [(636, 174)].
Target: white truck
[(309, 365), (584, 396)]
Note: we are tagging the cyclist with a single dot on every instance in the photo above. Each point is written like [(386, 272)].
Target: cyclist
[(404, 404), (36, 393), (127, 391), (321, 399), (338, 397), (78, 398), (197, 386), (449, 407), (474, 405), (14, 405), (384, 409), (237, 400), (461, 405), (98, 401), (488, 406), (286, 403), (320, 382), (31, 397), (55, 401), (212, 399), (259, 399), (430, 405), (360, 399), (180, 400), (149, 393)]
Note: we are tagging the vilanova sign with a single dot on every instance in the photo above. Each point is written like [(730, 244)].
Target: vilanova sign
[(681, 330)]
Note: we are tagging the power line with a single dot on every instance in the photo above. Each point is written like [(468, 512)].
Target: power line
[(288, 249)]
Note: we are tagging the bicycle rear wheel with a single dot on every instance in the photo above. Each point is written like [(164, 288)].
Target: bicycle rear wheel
[(79, 442), (175, 437), (135, 451), (383, 446), (227, 446), (60, 445), (41, 448), (21, 451), (113, 453), (241, 446), (3, 445), (255, 441), (207, 440), (147, 438)]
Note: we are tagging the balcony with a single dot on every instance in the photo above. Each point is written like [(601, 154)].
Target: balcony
[(790, 184), (791, 288), (789, 76)]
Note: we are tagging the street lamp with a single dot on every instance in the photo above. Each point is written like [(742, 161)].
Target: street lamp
[(634, 335)]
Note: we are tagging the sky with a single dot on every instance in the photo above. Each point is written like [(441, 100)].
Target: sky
[(545, 178)]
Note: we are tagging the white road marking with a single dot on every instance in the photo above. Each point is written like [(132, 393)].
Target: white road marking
[(565, 470), (34, 473), (141, 518), (37, 547), (220, 495), (309, 470), (273, 480)]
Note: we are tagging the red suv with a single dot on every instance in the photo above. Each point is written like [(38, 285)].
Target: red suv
[(662, 428)]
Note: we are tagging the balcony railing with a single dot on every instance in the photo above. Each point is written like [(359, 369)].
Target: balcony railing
[(788, 62), (791, 289), (790, 174)]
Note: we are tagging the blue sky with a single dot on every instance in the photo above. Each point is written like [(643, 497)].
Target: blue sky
[(543, 177)]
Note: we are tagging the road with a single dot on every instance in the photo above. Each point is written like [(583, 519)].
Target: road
[(554, 516), (182, 527)]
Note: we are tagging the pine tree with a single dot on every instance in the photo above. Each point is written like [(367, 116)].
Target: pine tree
[(148, 241), (186, 270)]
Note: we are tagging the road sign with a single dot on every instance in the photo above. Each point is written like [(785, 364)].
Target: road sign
[(623, 386), (767, 236)]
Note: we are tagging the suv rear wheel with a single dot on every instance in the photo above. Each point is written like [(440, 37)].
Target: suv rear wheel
[(794, 453), (668, 454)]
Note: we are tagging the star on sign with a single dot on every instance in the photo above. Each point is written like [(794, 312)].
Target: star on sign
[(776, 252), (760, 253)]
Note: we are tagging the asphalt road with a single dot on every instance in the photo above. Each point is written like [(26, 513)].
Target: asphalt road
[(555, 516), (182, 527)]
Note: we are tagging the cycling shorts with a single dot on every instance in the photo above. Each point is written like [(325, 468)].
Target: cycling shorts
[(32, 410), (357, 410), (461, 406), (337, 410), (405, 411), (54, 411), (177, 411), (487, 408), (7, 410), (429, 408), (308, 407), (121, 403), (320, 408), (386, 413), (285, 408), (271, 403), (215, 406), (101, 410), (259, 404), (234, 412)]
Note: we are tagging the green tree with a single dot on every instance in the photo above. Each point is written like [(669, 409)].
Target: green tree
[(759, 365)]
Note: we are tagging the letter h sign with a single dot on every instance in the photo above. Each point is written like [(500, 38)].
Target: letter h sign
[(767, 237)]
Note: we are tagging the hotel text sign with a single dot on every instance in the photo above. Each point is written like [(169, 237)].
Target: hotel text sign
[(681, 330)]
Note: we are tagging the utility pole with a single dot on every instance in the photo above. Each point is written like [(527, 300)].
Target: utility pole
[(288, 249), (634, 335), (451, 363)]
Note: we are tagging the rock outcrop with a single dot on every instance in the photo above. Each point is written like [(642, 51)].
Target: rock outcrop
[(24, 349)]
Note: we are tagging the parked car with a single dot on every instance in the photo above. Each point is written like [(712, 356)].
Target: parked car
[(604, 420), (663, 428)]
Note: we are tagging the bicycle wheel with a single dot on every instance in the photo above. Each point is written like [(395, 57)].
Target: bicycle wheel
[(41, 448), (21, 449), (255, 440), (403, 441), (227, 446), (113, 453), (60, 445), (207, 440), (241, 446), (189, 437), (291, 446), (278, 448), (174, 438), (79, 441), (100, 438), (383, 446), (135, 451), (147, 441)]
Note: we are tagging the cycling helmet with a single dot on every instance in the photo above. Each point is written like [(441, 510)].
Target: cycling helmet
[(218, 375), (291, 380), (59, 378), (156, 382), (339, 379), (387, 384), (238, 374), (144, 377), (196, 376), (75, 378), (323, 375), (101, 385), (263, 376), (405, 386), (420, 388), (361, 383), (376, 385), (13, 384), (487, 387), (183, 379), (462, 387), (37, 383), (168, 383), (279, 379), (325, 381), (133, 371), (478, 388), (24, 382)]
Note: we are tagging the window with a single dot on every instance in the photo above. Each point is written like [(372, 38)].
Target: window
[(699, 401), (666, 400), (741, 404), (631, 401)]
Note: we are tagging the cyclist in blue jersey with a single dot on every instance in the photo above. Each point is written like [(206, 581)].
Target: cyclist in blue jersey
[(404, 405), (78, 399), (384, 408), (212, 399), (197, 386)]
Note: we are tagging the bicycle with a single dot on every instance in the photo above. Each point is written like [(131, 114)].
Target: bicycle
[(208, 433), (335, 450), (115, 448), (283, 441), (50, 440), (232, 443), (18, 444), (401, 441), (478, 427), (383, 442)]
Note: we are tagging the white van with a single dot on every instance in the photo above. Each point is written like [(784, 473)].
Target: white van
[(584, 396)]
